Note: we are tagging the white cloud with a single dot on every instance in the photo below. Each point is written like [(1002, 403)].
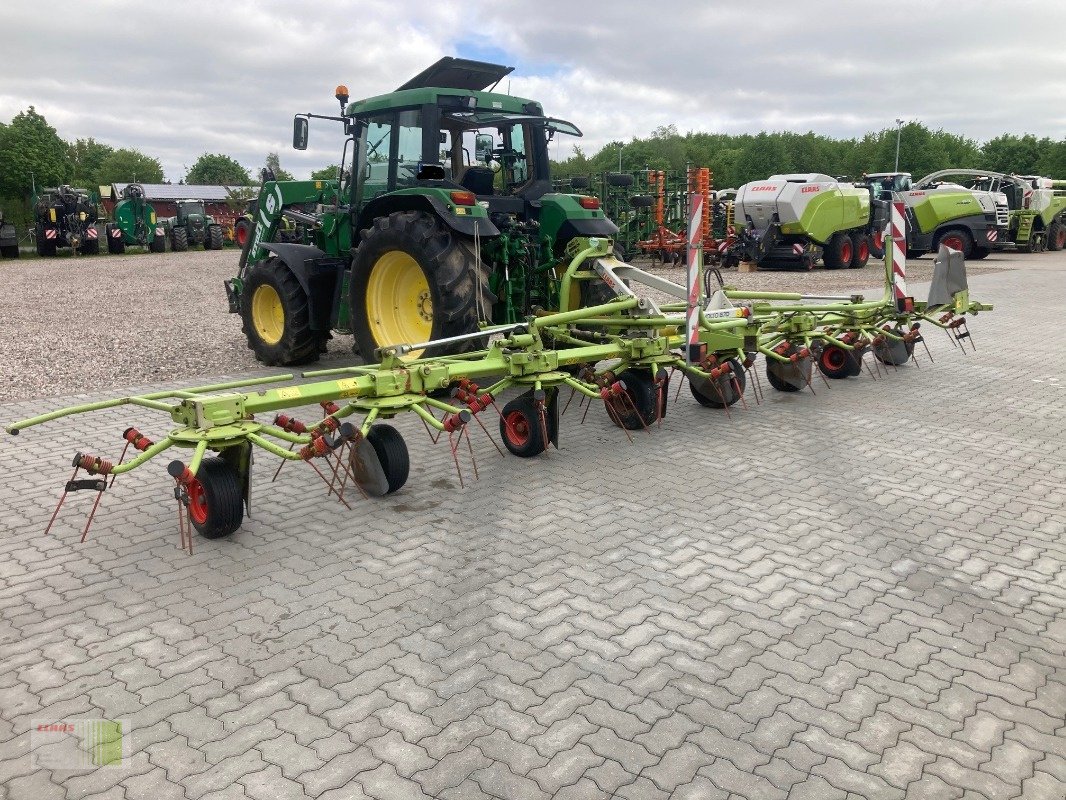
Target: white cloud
[(178, 80)]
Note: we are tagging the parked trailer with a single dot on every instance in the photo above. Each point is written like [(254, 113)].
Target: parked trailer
[(134, 223)]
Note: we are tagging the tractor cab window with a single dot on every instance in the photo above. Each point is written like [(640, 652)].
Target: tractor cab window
[(389, 151), (409, 147), (189, 209)]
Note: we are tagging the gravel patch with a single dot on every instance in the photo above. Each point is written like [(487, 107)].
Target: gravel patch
[(78, 325)]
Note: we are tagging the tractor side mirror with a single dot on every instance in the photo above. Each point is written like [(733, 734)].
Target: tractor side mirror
[(483, 147), (299, 133)]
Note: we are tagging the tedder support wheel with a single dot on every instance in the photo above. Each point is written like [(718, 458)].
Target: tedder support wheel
[(836, 362), (521, 428), (839, 252), (380, 463), (722, 394), (1056, 236), (643, 400), (216, 502), (214, 238), (179, 240), (275, 316), (415, 280), (790, 376), (861, 244), (957, 239), (893, 352)]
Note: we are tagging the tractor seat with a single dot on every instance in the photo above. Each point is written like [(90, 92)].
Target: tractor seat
[(478, 180)]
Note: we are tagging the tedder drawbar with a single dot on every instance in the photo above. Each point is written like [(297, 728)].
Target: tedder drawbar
[(623, 353)]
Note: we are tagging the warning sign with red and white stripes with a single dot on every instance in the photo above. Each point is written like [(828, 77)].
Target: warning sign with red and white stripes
[(50, 233), (695, 242), (797, 249), (899, 253), (91, 233), (115, 233), (991, 234)]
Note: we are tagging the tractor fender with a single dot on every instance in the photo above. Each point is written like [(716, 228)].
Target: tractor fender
[(388, 204), (319, 275)]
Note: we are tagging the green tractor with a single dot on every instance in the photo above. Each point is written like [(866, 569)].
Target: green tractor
[(443, 221), (9, 239), (65, 217), (135, 223), (192, 226)]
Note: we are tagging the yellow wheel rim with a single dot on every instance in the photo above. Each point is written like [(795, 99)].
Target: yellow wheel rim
[(268, 315), (399, 306)]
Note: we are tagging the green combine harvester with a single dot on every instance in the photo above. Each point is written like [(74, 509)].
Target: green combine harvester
[(444, 219), (135, 224)]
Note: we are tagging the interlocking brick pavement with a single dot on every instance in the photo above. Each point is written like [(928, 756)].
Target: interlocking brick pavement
[(860, 594)]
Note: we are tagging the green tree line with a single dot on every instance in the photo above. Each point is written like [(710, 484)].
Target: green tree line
[(737, 159), (33, 154)]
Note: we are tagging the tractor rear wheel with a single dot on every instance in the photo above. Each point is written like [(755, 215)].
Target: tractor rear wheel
[(90, 247), (1056, 236), (724, 393), (876, 241), (957, 239), (216, 502), (861, 243), (9, 251), (214, 238), (275, 316), (179, 239), (415, 280), (839, 252)]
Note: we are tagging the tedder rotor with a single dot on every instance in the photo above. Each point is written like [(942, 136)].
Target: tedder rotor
[(623, 352)]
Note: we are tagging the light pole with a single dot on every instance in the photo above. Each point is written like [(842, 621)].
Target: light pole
[(899, 128), (620, 157)]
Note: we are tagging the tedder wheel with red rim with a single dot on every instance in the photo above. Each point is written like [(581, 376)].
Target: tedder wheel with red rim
[(521, 428), (957, 239), (836, 362), (241, 230), (876, 242), (861, 243), (216, 502), (839, 252)]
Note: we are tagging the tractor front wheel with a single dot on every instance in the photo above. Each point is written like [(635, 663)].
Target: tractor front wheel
[(275, 316), (179, 240), (216, 502), (214, 238), (414, 280), (839, 252)]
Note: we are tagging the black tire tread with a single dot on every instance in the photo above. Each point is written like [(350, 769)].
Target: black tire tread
[(225, 499), (299, 344), (392, 453)]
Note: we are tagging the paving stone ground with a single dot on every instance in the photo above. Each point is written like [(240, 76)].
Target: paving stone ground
[(859, 594)]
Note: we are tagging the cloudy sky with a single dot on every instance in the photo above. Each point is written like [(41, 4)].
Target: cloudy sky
[(179, 79)]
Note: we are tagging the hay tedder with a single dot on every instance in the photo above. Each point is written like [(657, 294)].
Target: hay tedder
[(623, 353)]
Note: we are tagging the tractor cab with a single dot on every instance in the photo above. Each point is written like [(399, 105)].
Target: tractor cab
[(191, 211), (883, 185)]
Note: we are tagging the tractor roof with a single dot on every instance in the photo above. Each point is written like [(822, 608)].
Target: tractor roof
[(456, 82), (458, 73)]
